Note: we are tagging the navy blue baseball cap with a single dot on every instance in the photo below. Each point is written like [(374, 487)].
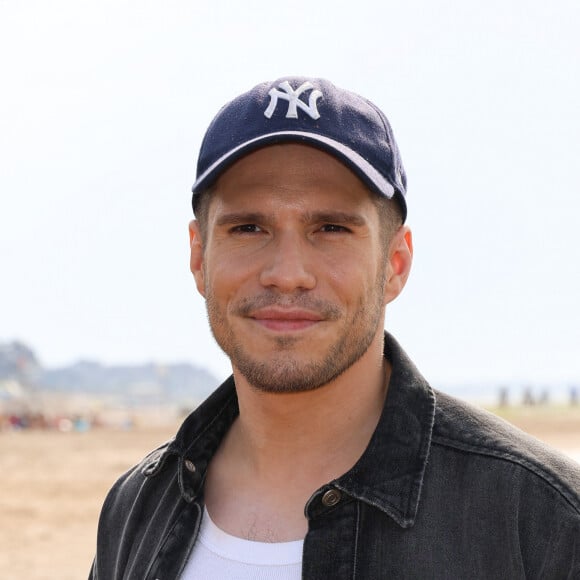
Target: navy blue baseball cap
[(310, 111)]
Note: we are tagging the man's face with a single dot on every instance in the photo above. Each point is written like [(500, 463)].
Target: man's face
[(292, 268)]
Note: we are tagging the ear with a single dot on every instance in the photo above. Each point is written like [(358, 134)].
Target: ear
[(196, 256), (399, 266)]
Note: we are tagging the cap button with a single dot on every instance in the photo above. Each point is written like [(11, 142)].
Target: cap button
[(331, 497), (190, 465)]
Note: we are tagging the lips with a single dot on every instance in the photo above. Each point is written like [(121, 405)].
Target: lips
[(286, 320)]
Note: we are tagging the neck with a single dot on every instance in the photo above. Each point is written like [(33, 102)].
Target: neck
[(328, 427)]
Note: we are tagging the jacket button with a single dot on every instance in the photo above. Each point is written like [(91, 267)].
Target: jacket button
[(189, 465), (331, 498)]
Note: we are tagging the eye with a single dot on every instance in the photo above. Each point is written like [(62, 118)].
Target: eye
[(334, 228), (246, 229)]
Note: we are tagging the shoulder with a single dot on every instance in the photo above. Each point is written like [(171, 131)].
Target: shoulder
[(488, 440), (130, 485), (147, 501), (173, 471)]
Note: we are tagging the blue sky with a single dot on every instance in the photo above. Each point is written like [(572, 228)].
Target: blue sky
[(103, 106)]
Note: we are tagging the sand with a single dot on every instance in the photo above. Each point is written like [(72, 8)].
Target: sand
[(52, 486)]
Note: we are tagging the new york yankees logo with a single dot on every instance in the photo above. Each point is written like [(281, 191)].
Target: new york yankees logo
[(293, 97)]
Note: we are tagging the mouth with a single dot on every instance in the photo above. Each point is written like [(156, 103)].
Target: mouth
[(286, 320)]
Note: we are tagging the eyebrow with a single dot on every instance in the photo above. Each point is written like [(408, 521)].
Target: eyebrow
[(326, 216), (242, 217), (335, 217)]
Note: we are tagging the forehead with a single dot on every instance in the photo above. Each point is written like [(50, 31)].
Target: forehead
[(290, 175)]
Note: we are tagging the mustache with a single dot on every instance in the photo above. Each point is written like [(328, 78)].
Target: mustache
[(327, 310)]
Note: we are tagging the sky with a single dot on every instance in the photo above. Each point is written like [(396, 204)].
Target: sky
[(103, 105)]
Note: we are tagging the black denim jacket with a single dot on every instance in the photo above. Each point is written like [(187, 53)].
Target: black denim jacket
[(444, 490)]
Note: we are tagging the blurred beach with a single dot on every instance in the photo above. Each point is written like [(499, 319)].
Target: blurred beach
[(53, 484)]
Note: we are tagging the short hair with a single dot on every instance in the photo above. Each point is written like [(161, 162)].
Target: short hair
[(389, 210), (200, 204), (390, 218)]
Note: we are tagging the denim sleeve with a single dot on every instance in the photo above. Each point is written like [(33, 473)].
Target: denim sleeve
[(549, 523), (563, 560)]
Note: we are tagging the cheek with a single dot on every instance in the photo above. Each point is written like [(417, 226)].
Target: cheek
[(226, 278), (353, 284)]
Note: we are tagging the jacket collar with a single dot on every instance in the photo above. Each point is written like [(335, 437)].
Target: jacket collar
[(389, 474)]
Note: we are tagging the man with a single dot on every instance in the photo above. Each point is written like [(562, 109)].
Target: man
[(326, 455)]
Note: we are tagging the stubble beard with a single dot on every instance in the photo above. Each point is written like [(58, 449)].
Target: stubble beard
[(285, 373)]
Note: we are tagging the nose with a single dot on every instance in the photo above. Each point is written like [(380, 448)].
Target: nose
[(289, 264)]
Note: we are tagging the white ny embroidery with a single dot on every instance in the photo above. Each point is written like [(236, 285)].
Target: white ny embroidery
[(293, 97)]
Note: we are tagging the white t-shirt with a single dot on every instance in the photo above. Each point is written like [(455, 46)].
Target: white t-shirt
[(219, 556)]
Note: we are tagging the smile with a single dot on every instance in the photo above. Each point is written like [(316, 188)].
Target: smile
[(286, 320)]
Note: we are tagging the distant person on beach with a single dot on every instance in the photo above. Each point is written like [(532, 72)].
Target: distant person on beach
[(326, 455)]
